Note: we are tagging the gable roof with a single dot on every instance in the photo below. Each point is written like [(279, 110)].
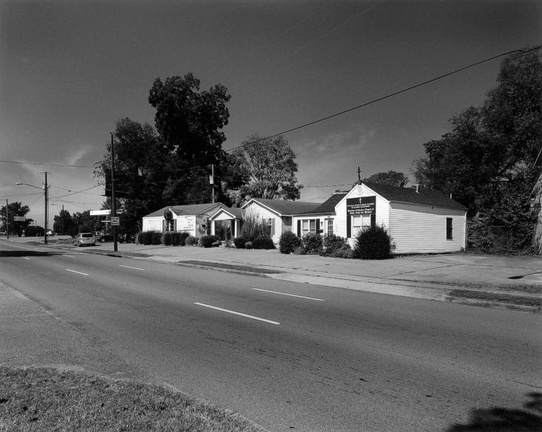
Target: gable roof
[(188, 210), (284, 208), (328, 206), (409, 195), (234, 212)]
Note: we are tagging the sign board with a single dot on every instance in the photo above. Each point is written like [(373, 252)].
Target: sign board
[(115, 221), (361, 206), (100, 212), (19, 218)]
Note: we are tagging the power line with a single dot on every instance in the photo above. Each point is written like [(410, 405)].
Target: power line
[(47, 164), (390, 95)]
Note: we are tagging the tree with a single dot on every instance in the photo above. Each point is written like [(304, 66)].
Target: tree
[(390, 178), (269, 164), (486, 160), (189, 121), (63, 222), (15, 209), (140, 172)]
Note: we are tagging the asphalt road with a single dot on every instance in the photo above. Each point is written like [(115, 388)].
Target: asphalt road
[(288, 356)]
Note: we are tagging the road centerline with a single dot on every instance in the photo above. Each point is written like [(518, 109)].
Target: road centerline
[(289, 295), (74, 271), (130, 267), (237, 313)]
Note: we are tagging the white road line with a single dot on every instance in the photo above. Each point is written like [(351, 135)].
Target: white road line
[(73, 271), (290, 295), (69, 256), (238, 313), (133, 268), (25, 258)]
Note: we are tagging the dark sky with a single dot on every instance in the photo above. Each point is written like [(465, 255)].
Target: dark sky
[(71, 69)]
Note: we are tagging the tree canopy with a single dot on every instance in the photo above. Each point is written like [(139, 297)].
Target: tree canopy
[(390, 178), (15, 209), (269, 164), (486, 160)]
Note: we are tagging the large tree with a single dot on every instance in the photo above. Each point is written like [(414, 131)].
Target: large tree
[(390, 178), (140, 171), (15, 209), (486, 160), (189, 120), (269, 164)]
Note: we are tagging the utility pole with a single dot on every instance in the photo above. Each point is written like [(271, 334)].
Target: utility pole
[(359, 175), (212, 181), (46, 209), (7, 219), (113, 206)]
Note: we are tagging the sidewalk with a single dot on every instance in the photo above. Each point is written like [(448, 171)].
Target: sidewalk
[(462, 277)]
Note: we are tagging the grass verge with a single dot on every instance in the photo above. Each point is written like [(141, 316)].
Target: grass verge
[(39, 399), (497, 297), (232, 267)]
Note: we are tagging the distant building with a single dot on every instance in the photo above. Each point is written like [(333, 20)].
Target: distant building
[(193, 219)]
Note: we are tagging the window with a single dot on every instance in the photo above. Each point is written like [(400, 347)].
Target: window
[(449, 229), (271, 226), (330, 226), (360, 221), (308, 226), (169, 225)]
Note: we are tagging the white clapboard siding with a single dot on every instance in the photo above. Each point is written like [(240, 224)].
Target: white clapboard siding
[(422, 229)]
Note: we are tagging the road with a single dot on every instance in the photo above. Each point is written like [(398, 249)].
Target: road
[(288, 356)]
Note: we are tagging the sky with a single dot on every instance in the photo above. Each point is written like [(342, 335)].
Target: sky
[(70, 69)]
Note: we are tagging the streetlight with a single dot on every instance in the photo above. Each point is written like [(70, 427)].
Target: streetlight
[(46, 206), (61, 216)]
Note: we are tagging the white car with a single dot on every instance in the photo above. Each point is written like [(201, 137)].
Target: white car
[(84, 239)]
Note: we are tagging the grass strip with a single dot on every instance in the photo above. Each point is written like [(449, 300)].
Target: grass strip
[(497, 297), (39, 399), (231, 267)]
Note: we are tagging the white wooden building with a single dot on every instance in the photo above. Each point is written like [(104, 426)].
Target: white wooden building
[(419, 221), (193, 219)]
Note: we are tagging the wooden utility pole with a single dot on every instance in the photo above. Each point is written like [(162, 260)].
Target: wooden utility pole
[(46, 208), (113, 205)]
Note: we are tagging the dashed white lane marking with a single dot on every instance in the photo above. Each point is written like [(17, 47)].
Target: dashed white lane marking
[(133, 268), (73, 271), (238, 313), (287, 294)]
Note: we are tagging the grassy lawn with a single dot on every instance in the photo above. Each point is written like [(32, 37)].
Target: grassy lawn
[(39, 399)]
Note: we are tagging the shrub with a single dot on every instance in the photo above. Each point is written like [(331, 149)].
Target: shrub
[(239, 242), (146, 237), (191, 241), (176, 239), (373, 243), (156, 238), (168, 238), (208, 241), (253, 228), (182, 238), (312, 244), (263, 242), (332, 244), (288, 242), (248, 245), (345, 251)]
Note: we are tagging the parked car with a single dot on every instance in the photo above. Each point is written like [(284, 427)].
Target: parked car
[(84, 239)]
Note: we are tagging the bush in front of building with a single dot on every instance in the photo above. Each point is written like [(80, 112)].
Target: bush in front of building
[(336, 247), (263, 242), (191, 241), (288, 242), (156, 238), (253, 228), (239, 242), (312, 244), (373, 243), (145, 238), (208, 241), (182, 238), (176, 238), (167, 238), (248, 245)]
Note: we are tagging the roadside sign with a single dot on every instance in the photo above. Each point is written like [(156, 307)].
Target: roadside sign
[(100, 212), (115, 221), (19, 218)]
